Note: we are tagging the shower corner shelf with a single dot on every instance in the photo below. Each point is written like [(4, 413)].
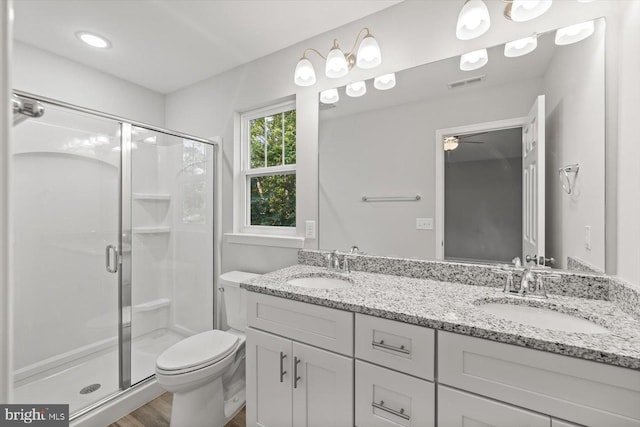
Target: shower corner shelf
[(152, 196), (152, 230)]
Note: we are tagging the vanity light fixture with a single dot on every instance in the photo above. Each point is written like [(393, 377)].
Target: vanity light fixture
[(329, 96), (305, 75), (574, 33), (384, 82), (93, 40), (356, 89), (473, 20), (526, 10), (338, 63), (520, 47), (474, 60)]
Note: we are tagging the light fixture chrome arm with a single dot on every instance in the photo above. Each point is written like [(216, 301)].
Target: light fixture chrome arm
[(304, 54), (368, 33)]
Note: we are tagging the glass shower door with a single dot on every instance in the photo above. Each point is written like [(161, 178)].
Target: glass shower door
[(172, 244), (66, 209)]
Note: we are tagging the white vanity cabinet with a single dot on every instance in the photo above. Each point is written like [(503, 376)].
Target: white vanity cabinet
[(301, 372), (291, 383), (459, 409), (394, 373), (572, 389), (386, 398)]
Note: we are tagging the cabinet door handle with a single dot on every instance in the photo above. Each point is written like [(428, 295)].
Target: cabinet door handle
[(400, 413), (381, 344), (282, 371), (296, 361)]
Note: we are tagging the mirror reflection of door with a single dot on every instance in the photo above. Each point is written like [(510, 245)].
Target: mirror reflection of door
[(494, 191), (533, 185), (483, 197)]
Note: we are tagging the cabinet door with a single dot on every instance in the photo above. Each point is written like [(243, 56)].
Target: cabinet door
[(322, 388), (269, 372), (460, 409)]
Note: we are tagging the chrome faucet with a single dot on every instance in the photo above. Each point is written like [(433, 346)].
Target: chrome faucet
[(532, 282), (528, 282), (333, 261)]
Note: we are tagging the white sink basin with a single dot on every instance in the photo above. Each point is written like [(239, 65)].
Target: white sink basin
[(543, 318), (320, 283)]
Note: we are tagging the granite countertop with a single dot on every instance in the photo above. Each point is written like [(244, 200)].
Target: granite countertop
[(454, 307)]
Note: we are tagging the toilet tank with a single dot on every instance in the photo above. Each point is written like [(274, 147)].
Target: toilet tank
[(235, 298)]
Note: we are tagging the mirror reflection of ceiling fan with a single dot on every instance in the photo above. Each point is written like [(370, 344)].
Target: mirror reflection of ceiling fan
[(450, 143)]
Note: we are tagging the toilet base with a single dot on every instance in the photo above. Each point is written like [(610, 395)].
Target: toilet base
[(202, 407)]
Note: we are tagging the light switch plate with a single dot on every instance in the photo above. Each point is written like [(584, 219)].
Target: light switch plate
[(424, 223), (310, 229)]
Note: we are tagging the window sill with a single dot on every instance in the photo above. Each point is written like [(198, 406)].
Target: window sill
[(265, 240)]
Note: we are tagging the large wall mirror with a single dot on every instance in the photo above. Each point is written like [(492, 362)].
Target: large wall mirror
[(506, 160)]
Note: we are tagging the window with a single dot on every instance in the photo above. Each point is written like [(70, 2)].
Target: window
[(194, 188), (268, 172)]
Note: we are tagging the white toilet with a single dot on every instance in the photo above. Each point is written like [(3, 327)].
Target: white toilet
[(206, 372)]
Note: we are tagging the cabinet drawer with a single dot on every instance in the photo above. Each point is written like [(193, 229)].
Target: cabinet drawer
[(312, 324), (576, 390), (459, 409), (386, 398), (401, 346)]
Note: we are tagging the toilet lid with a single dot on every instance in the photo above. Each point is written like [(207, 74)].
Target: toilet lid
[(200, 349)]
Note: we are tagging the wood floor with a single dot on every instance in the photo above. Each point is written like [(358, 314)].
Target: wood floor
[(157, 413)]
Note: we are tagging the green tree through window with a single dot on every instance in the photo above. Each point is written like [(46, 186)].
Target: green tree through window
[(272, 193)]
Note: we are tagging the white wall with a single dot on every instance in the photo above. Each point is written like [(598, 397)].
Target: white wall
[(363, 154), (42, 73), (410, 34), (628, 172), (574, 134), (6, 328)]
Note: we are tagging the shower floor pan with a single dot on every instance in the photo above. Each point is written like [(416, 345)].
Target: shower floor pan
[(96, 377)]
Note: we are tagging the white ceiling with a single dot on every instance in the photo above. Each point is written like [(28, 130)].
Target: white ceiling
[(165, 45)]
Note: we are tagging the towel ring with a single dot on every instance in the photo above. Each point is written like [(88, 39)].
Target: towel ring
[(565, 179)]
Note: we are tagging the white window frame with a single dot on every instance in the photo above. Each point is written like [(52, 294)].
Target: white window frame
[(242, 191)]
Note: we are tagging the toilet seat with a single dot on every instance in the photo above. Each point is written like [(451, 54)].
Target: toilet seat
[(197, 352)]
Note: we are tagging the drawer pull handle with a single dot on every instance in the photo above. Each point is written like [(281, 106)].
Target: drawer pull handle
[(400, 413), (282, 371), (381, 344), (296, 361)]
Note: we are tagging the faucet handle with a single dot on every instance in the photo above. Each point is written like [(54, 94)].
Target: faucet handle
[(540, 290), (508, 272), (516, 262)]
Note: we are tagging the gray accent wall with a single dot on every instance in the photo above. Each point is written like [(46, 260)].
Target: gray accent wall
[(483, 209)]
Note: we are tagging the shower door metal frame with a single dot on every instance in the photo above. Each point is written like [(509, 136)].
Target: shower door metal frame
[(124, 257), (124, 250)]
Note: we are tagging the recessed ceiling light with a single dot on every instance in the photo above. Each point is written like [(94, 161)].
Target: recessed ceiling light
[(93, 40)]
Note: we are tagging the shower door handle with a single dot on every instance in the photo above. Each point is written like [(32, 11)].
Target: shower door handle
[(111, 253)]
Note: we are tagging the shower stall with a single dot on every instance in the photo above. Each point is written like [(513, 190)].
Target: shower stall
[(113, 228)]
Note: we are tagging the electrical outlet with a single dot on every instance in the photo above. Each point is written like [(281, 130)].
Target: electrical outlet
[(587, 237), (310, 229), (424, 223)]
